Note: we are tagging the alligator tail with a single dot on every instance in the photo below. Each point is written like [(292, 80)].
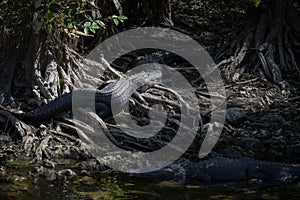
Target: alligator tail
[(62, 104)]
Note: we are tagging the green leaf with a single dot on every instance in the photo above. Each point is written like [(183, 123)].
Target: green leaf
[(67, 21), (100, 23), (88, 17), (116, 21), (54, 7), (95, 25), (255, 2), (70, 25), (122, 17), (61, 80), (86, 30), (92, 30), (87, 24)]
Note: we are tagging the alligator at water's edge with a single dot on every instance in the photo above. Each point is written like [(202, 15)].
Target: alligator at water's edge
[(226, 169)]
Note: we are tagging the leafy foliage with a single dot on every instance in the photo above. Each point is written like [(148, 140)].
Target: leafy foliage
[(74, 17), (255, 2), (15, 18), (14, 13)]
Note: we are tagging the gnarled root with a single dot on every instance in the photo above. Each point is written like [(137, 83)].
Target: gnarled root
[(268, 46)]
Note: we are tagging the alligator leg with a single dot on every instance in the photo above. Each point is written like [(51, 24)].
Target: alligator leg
[(139, 98), (102, 110)]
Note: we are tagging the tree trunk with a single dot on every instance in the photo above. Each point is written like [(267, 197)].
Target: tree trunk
[(154, 12), (42, 64), (269, 44), (160, 12)]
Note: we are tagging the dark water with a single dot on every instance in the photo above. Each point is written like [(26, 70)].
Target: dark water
[(22, 186)]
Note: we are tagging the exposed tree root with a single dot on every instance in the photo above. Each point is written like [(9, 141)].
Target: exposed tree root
[(21, 128), (267, 46), (52, 76)]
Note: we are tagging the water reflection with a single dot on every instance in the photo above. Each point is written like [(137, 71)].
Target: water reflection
[(121, 186)]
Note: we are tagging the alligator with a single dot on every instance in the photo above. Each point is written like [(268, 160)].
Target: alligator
[(221, 169), (115, 92), (158, 56)]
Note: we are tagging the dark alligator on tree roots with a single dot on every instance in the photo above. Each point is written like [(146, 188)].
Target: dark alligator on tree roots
[(216, 169), (113, 93), (158, 56), (225, 169)]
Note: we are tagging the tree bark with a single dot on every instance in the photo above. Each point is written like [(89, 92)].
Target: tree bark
[(154, 12), (269, 42)]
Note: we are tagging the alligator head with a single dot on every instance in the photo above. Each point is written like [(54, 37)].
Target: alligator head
[(146, 78)]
